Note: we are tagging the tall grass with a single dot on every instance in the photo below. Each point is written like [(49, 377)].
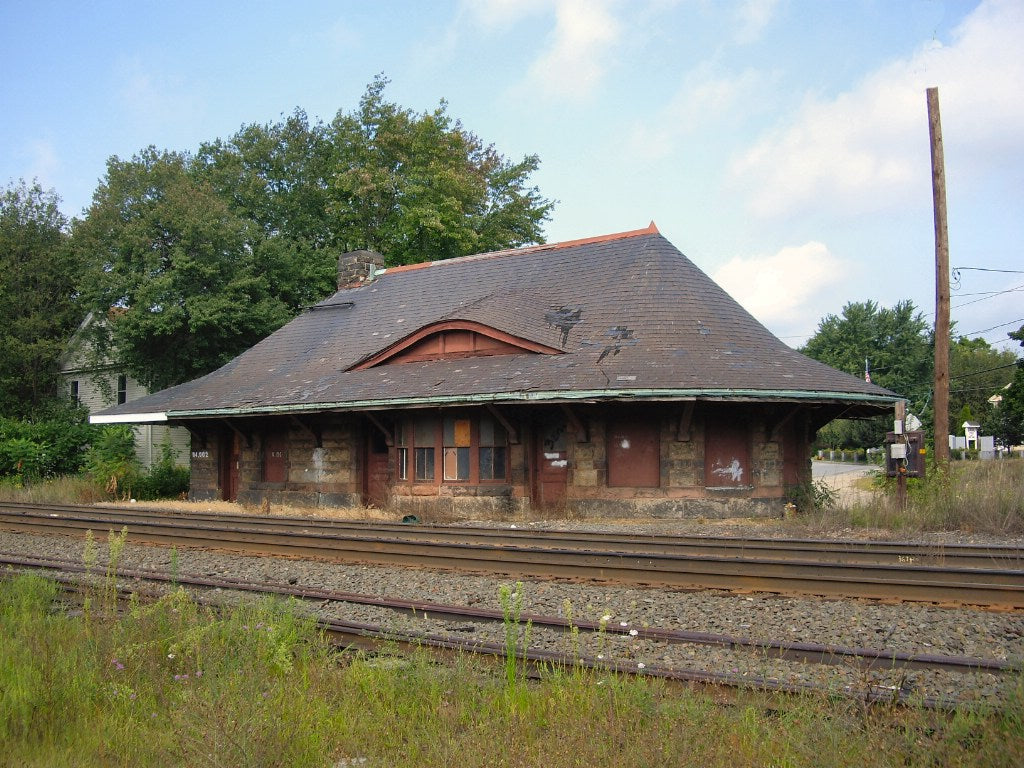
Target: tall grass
[(173, 684), (67, 489), (970, 496)]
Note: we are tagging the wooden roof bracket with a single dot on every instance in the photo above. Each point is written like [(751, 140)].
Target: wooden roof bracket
[(581, 430), (312, 429), (819, 423), (389, 439), (247, 436), (776, 431), (197, 434), (513, 433), (684, 429)]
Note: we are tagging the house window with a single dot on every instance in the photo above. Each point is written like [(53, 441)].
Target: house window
[(75, 398), (425, 438), (122, 389), (634, 455), (471, 449), (493, 450), (403, 453)]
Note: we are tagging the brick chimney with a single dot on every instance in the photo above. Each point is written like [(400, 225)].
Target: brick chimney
[(357, 268)]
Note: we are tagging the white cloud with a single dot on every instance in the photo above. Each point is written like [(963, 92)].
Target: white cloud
[(753, 17), (704, 99), (502, 13), (155, 100), (576, 58), (784, 290), (43, 162), (868, 148), (570, 61)]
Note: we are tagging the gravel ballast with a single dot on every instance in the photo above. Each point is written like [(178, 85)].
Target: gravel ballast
[(905, 627)]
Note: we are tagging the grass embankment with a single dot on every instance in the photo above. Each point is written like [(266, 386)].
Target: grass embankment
[(971, 496), (172, 684)]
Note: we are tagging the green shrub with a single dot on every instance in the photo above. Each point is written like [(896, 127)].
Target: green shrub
[(53, 442), (111, 460), (165, 480)]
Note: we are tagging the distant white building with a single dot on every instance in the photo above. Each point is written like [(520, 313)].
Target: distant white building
[(971, 429), (101, 385)]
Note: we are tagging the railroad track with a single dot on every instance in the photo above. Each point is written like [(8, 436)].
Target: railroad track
[(989, 576), (370, 636)]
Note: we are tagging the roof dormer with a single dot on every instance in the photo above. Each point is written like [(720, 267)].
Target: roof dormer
[(453, 339)]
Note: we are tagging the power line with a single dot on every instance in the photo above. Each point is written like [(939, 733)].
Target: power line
[(985, 269), (987, 370), (1001, 325), (997, 293)]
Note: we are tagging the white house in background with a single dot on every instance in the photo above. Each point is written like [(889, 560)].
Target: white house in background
[(101, 385)]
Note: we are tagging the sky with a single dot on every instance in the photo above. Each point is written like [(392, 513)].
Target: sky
[(782, 145)]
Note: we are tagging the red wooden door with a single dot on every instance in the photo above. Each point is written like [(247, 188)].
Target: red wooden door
[(634, 455), (727, 455), (552, 464), (376, 480)]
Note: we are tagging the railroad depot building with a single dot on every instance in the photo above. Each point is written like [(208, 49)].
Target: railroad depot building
[(605, 376)]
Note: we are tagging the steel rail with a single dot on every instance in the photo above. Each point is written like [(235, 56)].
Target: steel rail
[(830, 550), (815, 653), (990, 587)]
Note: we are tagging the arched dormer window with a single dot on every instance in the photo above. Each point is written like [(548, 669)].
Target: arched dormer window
[(453, 339)]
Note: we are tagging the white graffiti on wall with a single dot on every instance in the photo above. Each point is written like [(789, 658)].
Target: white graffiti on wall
[(734, 471)]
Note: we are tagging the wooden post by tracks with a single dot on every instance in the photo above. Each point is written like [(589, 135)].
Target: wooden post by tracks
[(941, 399), (900, 412)]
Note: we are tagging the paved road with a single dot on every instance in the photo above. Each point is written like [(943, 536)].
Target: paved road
[(821, 469)]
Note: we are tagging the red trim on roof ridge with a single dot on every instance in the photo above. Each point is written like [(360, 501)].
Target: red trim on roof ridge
[(650, 229)]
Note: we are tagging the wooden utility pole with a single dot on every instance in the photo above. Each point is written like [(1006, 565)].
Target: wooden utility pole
[(941, 399)]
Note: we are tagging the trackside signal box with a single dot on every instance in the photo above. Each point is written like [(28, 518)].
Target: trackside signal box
[(904, 454)]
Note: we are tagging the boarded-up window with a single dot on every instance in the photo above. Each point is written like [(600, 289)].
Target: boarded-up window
[(456, 449), (634, 455), (472, 449), (274, 470), (727, 455)]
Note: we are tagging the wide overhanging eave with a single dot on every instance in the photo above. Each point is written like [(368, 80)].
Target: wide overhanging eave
[(879, 403)]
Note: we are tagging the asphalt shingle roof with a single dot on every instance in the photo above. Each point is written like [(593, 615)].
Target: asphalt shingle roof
[(630, 312)]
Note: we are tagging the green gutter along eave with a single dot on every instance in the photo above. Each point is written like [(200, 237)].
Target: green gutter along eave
[(551, 396)]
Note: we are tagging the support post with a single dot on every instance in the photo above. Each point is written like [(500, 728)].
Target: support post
[(901, 476), (941, 399)]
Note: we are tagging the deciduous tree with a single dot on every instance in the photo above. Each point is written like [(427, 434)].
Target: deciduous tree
[(419, 187), (171, 266), (1006, 421), (38, 298), (897, 343), (976, 372)]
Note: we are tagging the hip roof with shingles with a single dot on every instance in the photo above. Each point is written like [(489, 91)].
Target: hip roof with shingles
[(632, 315)]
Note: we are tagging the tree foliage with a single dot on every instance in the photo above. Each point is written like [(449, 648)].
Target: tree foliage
[(276, 177), (170, 266), (1006, 422), (976, 372), (896, 342), (38, 301), (201, 256), (420, 187)]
